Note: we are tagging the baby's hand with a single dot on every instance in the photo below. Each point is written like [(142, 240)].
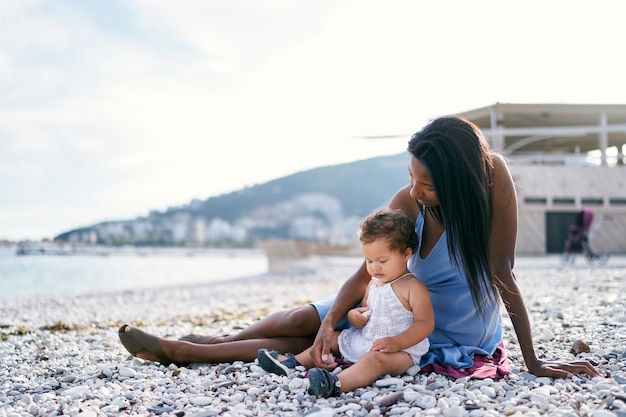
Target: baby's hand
[(359, 316), (385, 345)]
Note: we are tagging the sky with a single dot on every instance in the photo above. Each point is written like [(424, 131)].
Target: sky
[(112, 109)]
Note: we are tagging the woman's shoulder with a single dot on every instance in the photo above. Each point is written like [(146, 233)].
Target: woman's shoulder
[(503, 185), (403, 200), (499, 161), (500, 166)]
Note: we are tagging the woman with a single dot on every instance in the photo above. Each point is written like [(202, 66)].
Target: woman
[(463, 200)]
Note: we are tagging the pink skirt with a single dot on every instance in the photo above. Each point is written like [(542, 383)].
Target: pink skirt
[(494, 367)]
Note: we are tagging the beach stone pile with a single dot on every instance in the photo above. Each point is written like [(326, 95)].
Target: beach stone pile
[(61, 356)]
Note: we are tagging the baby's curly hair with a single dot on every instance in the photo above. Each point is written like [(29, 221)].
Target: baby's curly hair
[(395, 226)]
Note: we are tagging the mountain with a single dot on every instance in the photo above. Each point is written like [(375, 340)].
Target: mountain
[(360, 187), (353, 190)]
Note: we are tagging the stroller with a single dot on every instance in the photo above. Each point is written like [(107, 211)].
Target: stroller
[(578, 240)]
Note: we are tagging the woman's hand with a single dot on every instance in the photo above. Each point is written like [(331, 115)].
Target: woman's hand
[(320, 351), (351, 293), (559, 369)]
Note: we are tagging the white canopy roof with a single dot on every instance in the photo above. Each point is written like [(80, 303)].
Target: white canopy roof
[(519, 130)]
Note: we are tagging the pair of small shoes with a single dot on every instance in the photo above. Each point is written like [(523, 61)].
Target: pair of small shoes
[(136, 340), (323, 383), (268, 360)]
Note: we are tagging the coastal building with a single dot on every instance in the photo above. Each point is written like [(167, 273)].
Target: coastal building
[(564, 158)]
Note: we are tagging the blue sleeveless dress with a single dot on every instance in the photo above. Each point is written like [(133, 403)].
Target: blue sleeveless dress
[(460, 330)]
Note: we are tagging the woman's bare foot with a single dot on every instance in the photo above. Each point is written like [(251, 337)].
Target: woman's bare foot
[(146, 346)]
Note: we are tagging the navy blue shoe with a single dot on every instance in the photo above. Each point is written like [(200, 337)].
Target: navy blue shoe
[(323, 383), (268, 360)]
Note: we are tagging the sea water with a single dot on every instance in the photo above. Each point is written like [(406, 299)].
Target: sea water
[(50, 275)]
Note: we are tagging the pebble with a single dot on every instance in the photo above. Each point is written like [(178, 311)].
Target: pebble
[(81, 370), (127, 372), (388, 382)]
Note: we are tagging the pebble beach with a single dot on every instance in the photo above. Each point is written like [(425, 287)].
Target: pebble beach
[(61, 356)]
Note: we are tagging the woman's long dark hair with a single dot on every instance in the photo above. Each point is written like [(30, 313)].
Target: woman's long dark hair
[(458, 160)]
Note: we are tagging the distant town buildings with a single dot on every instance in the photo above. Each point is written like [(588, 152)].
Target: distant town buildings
[(315, 217)]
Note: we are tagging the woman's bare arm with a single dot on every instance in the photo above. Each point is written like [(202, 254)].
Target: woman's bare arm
[(502, 255), (355, 315)]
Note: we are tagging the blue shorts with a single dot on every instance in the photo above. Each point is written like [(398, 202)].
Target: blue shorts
[(322, 308)]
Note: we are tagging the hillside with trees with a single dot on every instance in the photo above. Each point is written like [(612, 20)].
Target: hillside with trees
[(322, 196)]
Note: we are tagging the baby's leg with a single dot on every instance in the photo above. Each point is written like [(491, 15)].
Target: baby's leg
[(372, 366)]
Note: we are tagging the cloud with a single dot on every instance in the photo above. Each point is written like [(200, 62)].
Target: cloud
[(112, 109)]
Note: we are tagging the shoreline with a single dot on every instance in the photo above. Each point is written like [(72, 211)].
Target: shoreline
[(50, 275), (61, 355)]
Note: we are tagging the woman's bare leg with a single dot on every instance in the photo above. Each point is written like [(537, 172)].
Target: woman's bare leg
[(242, 350), (285, 331), (297, 322)]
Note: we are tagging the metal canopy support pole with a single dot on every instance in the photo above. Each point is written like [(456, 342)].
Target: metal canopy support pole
[(603, 138), (497, 135)]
